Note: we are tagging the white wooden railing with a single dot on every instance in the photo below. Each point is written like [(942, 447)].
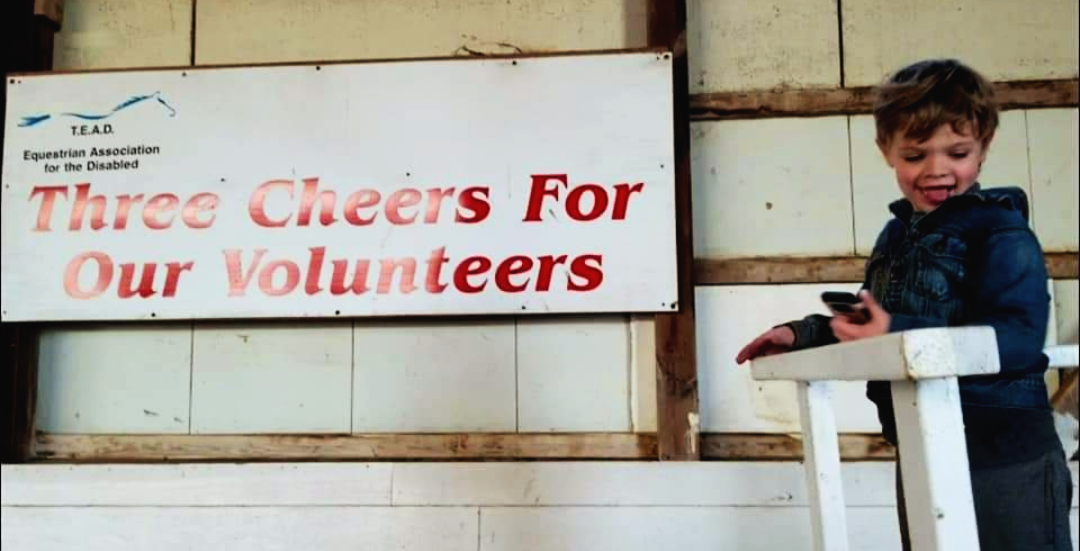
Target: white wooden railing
[(923, 366)]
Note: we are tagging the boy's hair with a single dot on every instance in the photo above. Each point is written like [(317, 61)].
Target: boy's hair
[(921, 97)]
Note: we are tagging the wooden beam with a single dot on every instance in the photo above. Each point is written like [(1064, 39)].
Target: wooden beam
[(1066, 399), (53, 10), (676, 349), (331, 447), (834, 269), (821, 102), (783, 447), (67, 448), (28, 46)]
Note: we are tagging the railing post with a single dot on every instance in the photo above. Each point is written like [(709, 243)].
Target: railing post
[(922, 366), (821, 456), (934, 463)]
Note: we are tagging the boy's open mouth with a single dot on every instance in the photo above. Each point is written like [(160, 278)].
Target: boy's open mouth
[(937, 194)]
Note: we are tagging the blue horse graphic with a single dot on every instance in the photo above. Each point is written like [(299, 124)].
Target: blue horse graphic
[(33, 120)]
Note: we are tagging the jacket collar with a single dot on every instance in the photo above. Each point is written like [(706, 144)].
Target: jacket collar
[(1010, 197)]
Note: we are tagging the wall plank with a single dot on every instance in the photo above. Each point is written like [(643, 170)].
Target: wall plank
[(753, 45), (271, 378), (880, 37), (1055, 175), (315, 30), (772, 187), (239, 528), (434, 376), (573, 375), (109, 34), (118, 379)]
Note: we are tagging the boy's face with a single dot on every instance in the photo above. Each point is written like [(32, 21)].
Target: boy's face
[(930, 172)]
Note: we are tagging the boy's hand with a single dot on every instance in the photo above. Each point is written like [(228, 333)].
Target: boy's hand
[(774, 341), (845, 330)]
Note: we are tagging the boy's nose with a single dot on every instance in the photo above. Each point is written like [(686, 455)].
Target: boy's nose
[(937, 167)]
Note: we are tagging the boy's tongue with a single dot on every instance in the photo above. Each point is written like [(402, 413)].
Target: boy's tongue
[(937, 195)]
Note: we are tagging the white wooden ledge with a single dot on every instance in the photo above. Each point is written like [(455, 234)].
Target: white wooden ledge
[(1064, 356), (906, 356)]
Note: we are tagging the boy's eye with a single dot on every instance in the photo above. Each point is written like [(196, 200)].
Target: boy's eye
[(959, 154), (913, 158)]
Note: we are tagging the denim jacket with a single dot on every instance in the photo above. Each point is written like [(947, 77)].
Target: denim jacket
[(972, 261)]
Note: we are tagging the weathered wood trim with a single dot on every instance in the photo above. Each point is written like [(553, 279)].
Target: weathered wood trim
[(820, 102), (676, 351), (20, 378), (1065, 398), (429, 447), (832, 269), (53, 10), (331, 447), (783, 447), (28, 46)]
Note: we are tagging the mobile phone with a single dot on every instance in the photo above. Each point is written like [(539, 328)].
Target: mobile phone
[(846, 305)]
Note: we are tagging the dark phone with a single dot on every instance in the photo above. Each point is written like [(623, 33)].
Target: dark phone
[(847, 305)]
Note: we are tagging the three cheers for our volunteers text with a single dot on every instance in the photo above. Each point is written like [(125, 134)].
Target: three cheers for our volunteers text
[(94, 273)]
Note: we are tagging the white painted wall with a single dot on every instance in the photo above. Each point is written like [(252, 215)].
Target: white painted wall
[(468, 506)]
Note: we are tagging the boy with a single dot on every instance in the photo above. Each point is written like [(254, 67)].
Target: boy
[(956, 254)]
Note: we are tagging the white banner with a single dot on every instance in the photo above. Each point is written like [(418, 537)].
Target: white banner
[(456, 186)]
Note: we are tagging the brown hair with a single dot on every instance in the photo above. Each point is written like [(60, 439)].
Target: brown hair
[(921, 97)]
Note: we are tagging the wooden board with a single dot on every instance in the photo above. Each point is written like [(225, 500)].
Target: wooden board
[(849, 101), (27, 46), (442, 447), (835, 269), (677, 404)]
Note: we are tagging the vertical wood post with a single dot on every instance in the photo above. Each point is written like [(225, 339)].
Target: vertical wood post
[(678, 430), (934, 464), (821, 452), (29, 28)]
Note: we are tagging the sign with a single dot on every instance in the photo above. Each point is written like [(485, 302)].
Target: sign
[(453, 186)]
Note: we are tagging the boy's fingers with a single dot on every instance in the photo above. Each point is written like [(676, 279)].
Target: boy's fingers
[(871, 304), (842, 328)]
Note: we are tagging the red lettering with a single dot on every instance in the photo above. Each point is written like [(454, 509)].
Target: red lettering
[(238, 280), (515, 265), (146, 282), (97, 205), (123, 209), (435, 198), (172, 277), (48, 198), (266, 278), (155, 206), (435, 263), (475, 202), (402, 198), (472, 266), (257, 204), (365, 198), (599, 202), (540, 190), (104, 275), (315, 262), (622, 198), (386, 275), (198, 204), (307, 203), (588, 268), (360, 276), (547, 267)]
